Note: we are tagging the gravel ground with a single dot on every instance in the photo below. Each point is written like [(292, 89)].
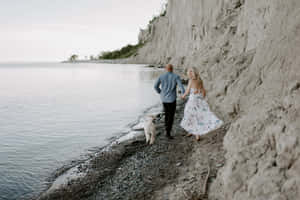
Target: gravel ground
[(168, 169)]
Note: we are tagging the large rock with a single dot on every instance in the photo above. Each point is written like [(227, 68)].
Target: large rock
[(248, 53)]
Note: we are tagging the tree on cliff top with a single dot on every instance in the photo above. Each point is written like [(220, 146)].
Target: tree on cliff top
[(73, 57)]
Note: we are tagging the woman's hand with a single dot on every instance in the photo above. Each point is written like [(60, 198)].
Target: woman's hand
[(204, 93), (183, 96)]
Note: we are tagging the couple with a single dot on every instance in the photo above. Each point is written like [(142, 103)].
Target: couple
[(198, 119)]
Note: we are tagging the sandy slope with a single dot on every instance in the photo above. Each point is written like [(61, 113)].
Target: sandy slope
[(247, 52)]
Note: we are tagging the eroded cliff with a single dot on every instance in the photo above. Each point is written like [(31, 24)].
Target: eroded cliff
[(247, 52)]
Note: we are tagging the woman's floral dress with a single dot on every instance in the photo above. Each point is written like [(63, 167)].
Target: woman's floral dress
[(198, 119)]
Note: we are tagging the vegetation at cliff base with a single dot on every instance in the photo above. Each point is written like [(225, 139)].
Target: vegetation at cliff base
[(124, 52)]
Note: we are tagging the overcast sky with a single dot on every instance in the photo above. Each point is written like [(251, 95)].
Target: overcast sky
[(52, 30)]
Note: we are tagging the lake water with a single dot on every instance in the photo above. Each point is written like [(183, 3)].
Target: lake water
[(53, 113)]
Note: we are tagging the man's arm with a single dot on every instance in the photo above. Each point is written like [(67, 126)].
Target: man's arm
[(156, 85), (178, 80)]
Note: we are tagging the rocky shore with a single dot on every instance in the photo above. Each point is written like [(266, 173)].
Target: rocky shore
[(129, 169)]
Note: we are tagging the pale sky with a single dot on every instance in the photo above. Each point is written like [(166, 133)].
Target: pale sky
[(52, 30)]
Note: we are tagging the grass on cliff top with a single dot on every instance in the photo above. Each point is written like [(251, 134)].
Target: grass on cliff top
[(124, 52)]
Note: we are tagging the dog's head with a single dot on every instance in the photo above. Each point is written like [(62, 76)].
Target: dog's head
[(150, 117)]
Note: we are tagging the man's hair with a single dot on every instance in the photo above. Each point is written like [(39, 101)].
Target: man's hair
[(169, 67)]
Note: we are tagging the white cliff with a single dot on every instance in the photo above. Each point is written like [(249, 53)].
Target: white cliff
[(248, 53)]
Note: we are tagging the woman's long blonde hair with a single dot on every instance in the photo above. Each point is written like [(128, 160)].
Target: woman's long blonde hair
[(196, 75)]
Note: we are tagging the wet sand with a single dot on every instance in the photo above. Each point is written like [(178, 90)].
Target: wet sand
[(130, 169)]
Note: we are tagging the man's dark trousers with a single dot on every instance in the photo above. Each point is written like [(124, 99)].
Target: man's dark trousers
[(169, 109)]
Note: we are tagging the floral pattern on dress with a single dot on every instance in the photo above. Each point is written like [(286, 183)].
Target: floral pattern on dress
[(198, 119)]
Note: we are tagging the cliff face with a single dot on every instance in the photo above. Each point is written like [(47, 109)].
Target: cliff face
[(247, 52)]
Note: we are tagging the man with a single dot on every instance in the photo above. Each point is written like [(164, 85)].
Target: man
[(166, 86)]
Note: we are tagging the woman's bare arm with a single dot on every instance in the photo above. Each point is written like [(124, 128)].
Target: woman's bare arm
[(187, 91), (202, 90)]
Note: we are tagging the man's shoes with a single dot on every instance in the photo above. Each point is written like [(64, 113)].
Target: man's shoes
[(170, 137)]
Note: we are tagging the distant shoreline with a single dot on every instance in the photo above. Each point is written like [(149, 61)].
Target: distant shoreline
[(109, 61), (117, 61)]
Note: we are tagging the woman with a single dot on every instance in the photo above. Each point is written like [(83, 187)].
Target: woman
[(198, 119)]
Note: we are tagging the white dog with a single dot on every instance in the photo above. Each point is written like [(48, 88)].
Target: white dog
[(149, 129)]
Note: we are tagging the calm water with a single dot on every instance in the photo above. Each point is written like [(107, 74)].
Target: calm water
[(52, 113)]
